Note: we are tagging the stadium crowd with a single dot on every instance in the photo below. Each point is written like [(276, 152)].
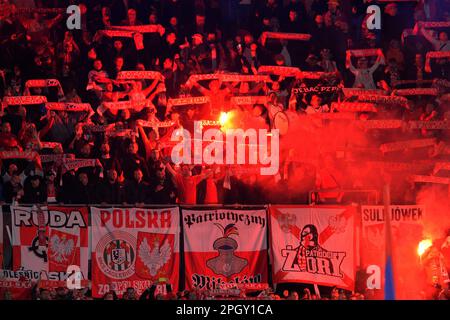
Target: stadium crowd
[(191, 38), (128, 161)]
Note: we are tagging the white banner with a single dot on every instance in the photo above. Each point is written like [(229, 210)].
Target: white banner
[(313, 245)]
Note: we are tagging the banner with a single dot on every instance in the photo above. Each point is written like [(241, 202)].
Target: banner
[(313, 245), (134, 247), (47, 241), (406, 227), (224, 246), (24, 100)]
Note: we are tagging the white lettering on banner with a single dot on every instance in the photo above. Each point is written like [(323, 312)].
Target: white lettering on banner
[(372, 214), (200, 281), (145, 218), (54, 219), (317, 261)]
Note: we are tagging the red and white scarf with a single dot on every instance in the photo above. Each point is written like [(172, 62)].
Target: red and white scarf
[(354, 107), (24, 100), (153, 124), (435, 55), (430, 179), (249, 100), (350, 92), (279, 70), (123, 105), (416, 92), (287, 36), (130, 75), (68, 106), (188, 101), (408, 144), (51, 145), (75, 164), (380, 124), (45, 158)]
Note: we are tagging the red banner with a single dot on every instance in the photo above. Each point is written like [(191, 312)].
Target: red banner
[(48, 240), (224, 247), (134, 248)]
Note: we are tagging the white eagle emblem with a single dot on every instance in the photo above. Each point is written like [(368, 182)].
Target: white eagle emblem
[(154, 258), (61, 248)]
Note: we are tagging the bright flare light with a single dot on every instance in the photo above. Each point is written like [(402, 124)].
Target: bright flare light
[(423, 246), (223, 118)]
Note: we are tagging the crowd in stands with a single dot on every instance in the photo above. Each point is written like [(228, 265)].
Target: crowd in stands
[(193, 38), (128, 162)]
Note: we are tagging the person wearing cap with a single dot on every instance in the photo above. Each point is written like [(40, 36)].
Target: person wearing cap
[(35, 190)]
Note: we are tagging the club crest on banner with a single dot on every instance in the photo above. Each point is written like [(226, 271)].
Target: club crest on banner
[(116, 255)]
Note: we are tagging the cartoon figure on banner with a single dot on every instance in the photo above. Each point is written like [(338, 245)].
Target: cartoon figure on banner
[(309, 241), (226, 263), (311, 257)]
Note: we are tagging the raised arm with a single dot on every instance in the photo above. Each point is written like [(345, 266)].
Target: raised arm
[(348, 63), (150, 88), (377, 63), (148, 144)]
